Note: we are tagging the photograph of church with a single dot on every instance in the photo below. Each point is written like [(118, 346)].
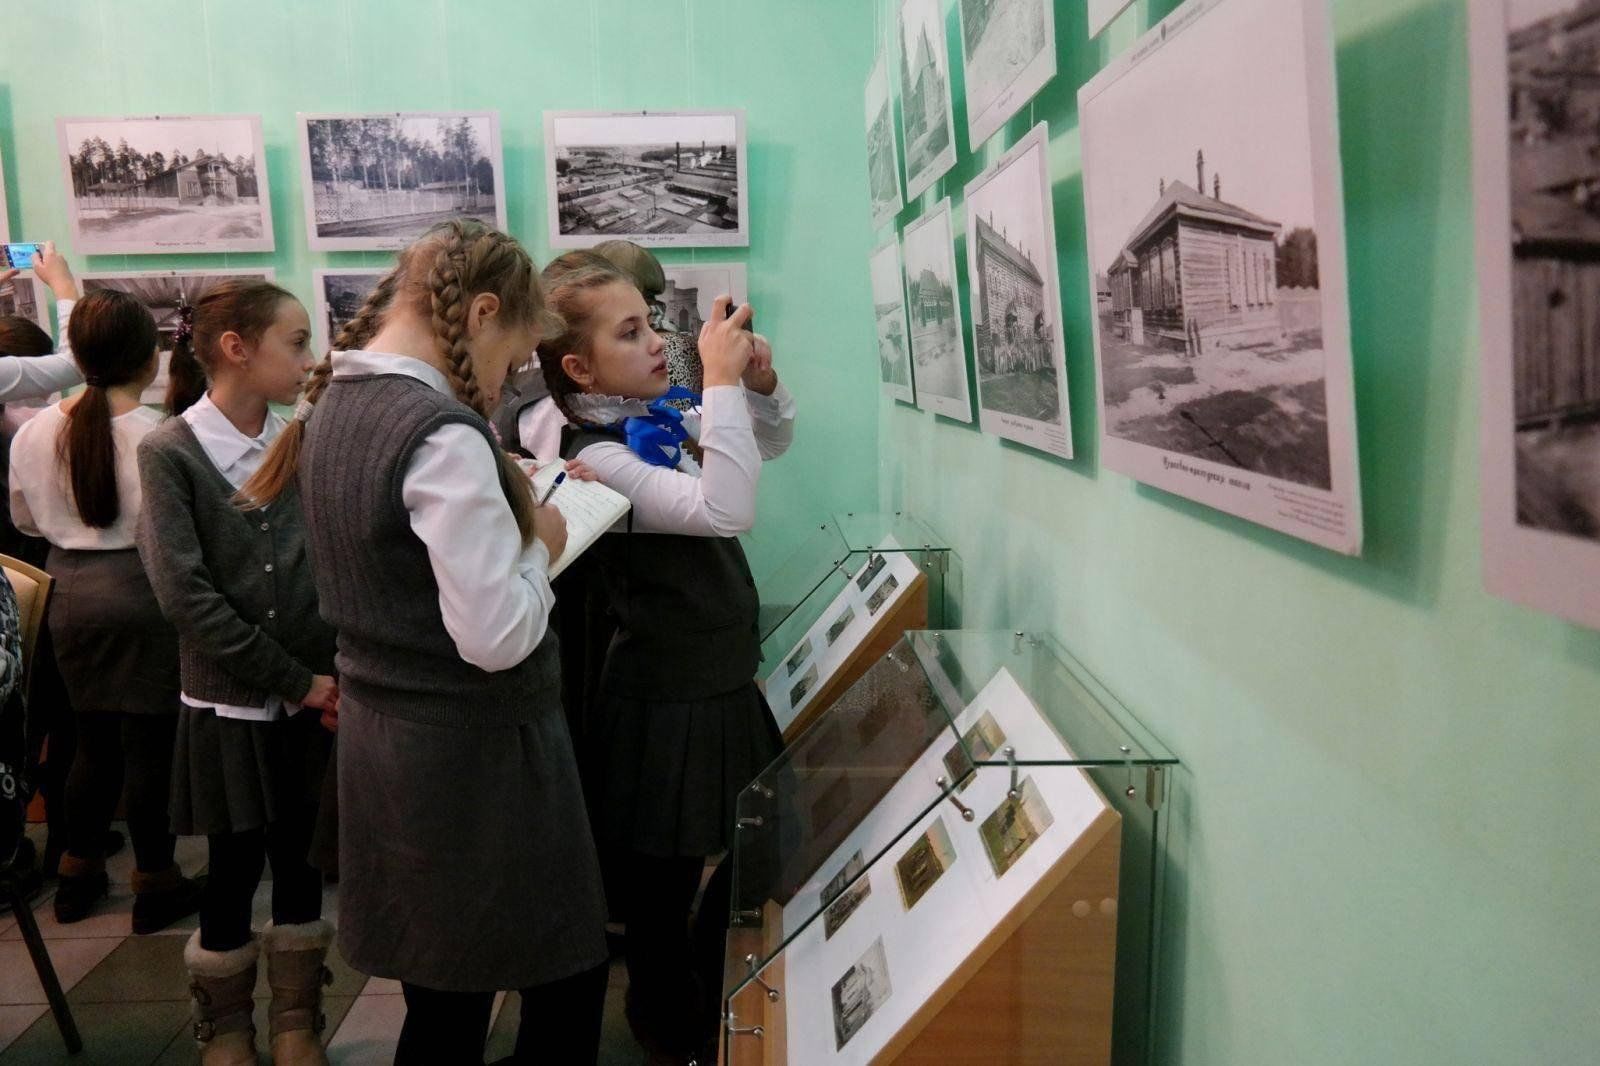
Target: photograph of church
[(926, 122)]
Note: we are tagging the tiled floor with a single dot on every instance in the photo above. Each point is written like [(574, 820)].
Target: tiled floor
[(129, 994)]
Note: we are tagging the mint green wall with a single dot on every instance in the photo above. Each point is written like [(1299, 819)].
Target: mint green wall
[(1386, 846), (521, 57)]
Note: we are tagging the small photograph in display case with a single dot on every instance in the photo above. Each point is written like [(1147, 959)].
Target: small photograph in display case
[(173, 183), (982, 740), (1014, 826), (888, 304), (874, 567), (1016, 299), (840, 624), (800, 689), (798, 659), (339, 294), (929, 856), (881, 594), (858, 994), (1536, 144), (840, 903), (1008, 51), (927, 124), (379, 181), (663, 179), (937, 353), (1215, 230), (692, 289), (883, 163)]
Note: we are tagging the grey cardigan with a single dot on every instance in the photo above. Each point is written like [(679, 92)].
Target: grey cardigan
[(236, 584)]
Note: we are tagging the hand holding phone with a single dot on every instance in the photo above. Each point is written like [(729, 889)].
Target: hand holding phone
[(19, 254), (749, 323)]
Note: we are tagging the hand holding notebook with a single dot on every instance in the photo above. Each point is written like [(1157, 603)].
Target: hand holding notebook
[(588, 506)]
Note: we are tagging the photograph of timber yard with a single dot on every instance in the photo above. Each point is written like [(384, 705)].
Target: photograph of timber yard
[(647, 189)]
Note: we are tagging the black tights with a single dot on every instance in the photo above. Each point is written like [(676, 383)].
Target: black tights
[(120, 753), (674, 973), (560, 1023), (235, 868)]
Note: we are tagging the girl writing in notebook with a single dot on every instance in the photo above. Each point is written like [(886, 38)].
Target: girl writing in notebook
[(679, 727), (466, 862), (256, 662)]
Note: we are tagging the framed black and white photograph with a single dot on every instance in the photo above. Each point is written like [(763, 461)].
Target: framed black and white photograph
[(664, 179), (883, 161), (339, 294), (1215, 227), (1101, 12), (1536, 95), (927, 124), (375, 182), (184, 183), (859, 993), (934, 312), (889, 313), (1018, 348), (1008, 53), (164, 292), (692, 289), (25, 296)]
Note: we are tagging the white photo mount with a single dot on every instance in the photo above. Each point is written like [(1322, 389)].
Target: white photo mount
[(883, 158), (156, 289), (1219, 380), (342, 215), (1101, 12), (1006, 64), (651, 202), (889, 310), (706, 281), (928, 248), (1534, 436), (193, 206), (927, 116), (1015, 289)]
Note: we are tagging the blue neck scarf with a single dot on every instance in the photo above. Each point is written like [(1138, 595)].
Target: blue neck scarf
[(658, 437)]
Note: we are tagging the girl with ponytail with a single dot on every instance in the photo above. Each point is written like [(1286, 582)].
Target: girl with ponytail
[(74, 481), (466, 865), (259, 697)]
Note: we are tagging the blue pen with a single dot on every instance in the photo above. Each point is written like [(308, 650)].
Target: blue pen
[(551, 491)]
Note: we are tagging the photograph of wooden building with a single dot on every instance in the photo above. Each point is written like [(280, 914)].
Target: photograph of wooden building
[(166, 184), (926, 118), (1008, 53), (1214, 220)]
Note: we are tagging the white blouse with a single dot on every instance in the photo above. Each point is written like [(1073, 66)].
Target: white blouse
[(41, 493), (738, 430), (237, 457), (29, 377), (494, 594)]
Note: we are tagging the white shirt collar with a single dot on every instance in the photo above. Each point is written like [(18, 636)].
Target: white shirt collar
[(354, 363), (222, 440)]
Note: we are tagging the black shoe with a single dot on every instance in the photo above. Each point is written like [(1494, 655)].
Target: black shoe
[(158, 905), (76, 896), (114, 843)]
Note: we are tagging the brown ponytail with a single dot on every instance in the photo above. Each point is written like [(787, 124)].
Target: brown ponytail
[(113, 338), (186, 378)]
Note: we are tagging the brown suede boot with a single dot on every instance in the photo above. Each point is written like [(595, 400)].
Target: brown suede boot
[(222, 984), (159, 899), (297, 974)]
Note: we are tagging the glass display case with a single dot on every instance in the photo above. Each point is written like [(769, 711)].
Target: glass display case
[(841, 600), (959, 860)]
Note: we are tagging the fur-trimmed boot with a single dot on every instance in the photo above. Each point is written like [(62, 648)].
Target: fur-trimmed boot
[(222, 986), (296, 970)]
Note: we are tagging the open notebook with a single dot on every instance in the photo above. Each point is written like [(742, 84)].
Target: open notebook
[(588, 506)]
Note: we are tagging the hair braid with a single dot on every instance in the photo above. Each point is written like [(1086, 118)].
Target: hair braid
[(448, 303)]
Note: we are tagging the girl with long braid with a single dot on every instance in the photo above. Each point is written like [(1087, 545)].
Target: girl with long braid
[(465, 858)]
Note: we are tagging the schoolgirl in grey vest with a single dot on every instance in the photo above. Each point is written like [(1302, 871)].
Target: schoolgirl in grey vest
[(466, 863), (679, 727)]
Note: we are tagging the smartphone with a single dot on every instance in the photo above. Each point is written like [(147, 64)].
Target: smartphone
[(20, 255), (750, 323)]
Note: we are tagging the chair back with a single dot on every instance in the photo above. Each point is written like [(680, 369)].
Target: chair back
[(33, 587)]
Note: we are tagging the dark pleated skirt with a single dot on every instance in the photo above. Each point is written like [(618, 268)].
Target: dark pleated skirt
[(664, 778), (466, 863), (116, 651), (230, 775)]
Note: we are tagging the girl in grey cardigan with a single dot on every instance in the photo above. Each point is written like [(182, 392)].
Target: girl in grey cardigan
[(256, 659)]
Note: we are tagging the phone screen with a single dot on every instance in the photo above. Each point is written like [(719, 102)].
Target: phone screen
[(750, 323), (20, 255)]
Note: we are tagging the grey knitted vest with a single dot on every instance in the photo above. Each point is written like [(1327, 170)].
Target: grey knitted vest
[(374, 580)]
